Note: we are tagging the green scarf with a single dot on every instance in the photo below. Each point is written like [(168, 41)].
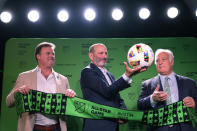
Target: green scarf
[(59, 104)]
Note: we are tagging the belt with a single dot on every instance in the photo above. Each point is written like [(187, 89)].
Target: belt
[(47, 128)]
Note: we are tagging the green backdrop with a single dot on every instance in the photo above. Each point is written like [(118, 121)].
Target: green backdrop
[(72, 57)]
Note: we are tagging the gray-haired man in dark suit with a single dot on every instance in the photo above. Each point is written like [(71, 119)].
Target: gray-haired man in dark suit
[(167, 88)]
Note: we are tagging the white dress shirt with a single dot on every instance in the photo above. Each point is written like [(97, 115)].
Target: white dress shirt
[(104, 71), (48, 86)]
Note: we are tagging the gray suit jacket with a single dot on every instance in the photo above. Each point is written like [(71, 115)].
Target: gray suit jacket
[(26, 122)]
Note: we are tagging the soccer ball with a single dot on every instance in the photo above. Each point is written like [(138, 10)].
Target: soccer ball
[(140, 55)]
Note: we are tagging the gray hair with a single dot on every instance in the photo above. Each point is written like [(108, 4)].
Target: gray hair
[(169, 52), (91, 48)]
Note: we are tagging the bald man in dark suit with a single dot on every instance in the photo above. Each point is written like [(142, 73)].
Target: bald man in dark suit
[(98, 85)]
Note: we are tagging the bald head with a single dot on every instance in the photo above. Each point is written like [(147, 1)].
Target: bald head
[(92, 50), (98, 54)]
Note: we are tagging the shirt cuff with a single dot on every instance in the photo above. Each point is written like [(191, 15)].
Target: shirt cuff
[(152, 102), (127, 79)]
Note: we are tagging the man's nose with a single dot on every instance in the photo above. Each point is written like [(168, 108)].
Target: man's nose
[(51, 55), (105, 56), (160, 62)]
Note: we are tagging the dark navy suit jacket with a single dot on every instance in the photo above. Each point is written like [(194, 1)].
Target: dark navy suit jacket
[(95, 88), (186, 87)]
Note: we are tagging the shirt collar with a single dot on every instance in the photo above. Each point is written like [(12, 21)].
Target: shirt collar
[(38, 69), (171, 76), (104, 70)]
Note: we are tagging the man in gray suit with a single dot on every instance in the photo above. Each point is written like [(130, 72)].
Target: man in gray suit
[(167, 88), (42, 78)]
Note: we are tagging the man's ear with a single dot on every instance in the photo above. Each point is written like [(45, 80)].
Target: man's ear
[(91, 56), (38, 56), (172, 63)]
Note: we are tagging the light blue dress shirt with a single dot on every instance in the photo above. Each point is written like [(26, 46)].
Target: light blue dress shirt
[(173, 88)]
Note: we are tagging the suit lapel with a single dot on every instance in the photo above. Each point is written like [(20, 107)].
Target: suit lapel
[(158, 82), (58, 82), (180, 88), (110, 77), (33, 78), (100, 73), (93, 66)]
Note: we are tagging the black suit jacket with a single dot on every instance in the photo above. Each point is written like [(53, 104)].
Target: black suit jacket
[(186, 87), (95, 88)]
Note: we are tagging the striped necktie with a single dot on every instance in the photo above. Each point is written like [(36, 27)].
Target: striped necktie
[(167, 90)]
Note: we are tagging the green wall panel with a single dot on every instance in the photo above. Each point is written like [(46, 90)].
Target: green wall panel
[(72, 57)]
